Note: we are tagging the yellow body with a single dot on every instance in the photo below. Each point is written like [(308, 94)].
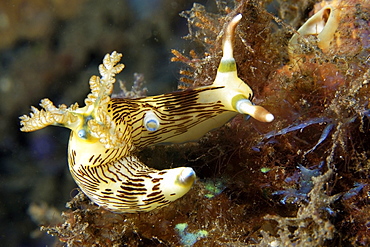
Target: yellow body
[(107, 131)]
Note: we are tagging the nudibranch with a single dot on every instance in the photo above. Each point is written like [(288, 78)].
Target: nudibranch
[(106, 132), (322, 24)]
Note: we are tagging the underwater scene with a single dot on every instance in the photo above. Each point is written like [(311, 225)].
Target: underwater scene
[(185, 123)]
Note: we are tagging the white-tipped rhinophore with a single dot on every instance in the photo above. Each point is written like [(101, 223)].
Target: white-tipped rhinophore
[(229, 37), (245, 106)]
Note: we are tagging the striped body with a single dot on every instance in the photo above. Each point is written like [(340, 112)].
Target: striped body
[(114, 179), (129, 186), (181, 115), (106, 133)]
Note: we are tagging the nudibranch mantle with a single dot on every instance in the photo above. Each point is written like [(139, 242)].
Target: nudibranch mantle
[(106, 132)]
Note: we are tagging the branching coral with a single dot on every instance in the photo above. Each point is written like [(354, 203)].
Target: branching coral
[(311, 226), (137, 90), (305, 185)]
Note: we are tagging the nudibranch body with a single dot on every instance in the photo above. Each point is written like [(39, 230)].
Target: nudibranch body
[(107, 132)]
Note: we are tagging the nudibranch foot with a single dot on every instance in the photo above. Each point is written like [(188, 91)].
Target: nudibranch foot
[(129, 186)]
